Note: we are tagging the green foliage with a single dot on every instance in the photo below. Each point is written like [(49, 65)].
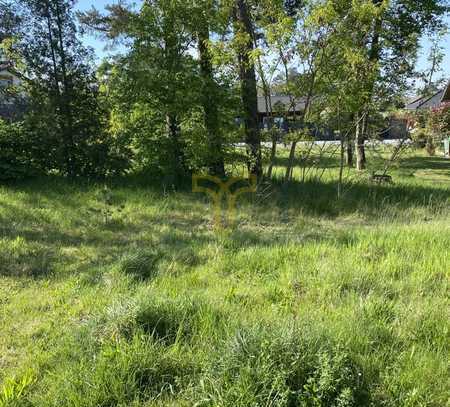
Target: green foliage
[(431, 128), (21, 154), (310, 301), (283, 367), (19, 258), (64, 110), (124, 373), (142, 264), (107, 209), (127, 296), (439, 121), (14, 389)]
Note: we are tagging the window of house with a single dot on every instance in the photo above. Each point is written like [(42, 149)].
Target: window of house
[(278, 122), (6, 81)]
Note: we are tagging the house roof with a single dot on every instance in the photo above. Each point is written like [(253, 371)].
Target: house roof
[(280, 103), (446, 97), (430, 101)]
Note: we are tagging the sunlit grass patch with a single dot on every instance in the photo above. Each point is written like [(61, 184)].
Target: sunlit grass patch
[(306, 299)]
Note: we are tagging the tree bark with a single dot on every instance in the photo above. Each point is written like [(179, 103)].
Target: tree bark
[(290, 166), (269, 116), (359, 146), (173, 129), (273, 155), (172, 59), (303, 115), (249, 95), (349, 152), (209, 101), (68, 136), (374, 56)]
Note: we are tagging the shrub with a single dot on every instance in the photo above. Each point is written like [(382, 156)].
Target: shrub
[(142, 264), (430, 147), (432, 127), (20, 156), (18, 258), (166, 319), (283, 367), (121, 373)]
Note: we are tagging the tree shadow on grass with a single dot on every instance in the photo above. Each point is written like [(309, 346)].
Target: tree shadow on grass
[(185, 225), (315, 160), (320, 198), (426, 163)]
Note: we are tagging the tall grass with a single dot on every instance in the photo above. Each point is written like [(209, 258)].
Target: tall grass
[(307, 301)]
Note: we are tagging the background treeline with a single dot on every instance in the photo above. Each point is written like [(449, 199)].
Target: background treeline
[(169, 101)]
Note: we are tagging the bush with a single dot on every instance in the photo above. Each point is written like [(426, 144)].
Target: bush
[(20, 155), (19, 258), (166, 319), (430, 147), (283, 367), (122, 373), (142, 264), (432, 127)]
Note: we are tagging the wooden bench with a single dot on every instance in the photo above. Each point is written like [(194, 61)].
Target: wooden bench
[(381, 178)]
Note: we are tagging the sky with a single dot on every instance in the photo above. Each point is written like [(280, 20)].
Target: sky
[(99, 45)]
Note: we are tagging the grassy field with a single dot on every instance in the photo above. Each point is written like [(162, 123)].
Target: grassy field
[(307, 301)]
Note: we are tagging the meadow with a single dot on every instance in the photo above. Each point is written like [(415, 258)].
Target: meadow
[(130, 296)]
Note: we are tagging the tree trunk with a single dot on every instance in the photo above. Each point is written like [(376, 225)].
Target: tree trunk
[(247, 75), (273, 154), (341, 164), (68, 136), (303, 115), (173, 129), (374, 56), (269, 116), (349, 152), (290, 166), (209, 101), (359, 146), (364, 138), (172, 59), (53, 53), (272, 132)]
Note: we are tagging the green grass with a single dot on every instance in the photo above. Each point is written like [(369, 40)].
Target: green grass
[(308, 301)]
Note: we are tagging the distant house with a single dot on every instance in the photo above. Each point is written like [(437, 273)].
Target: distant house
[(284, 112), (10, 105), (277, 111), (432, 101), (278, 108), (8, 75)]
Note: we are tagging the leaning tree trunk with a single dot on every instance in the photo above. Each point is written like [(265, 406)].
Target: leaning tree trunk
[(209, 101), (290, 166), (249, 94)]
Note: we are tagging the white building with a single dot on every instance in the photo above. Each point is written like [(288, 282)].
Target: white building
[(8, 76), (10, 81)]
